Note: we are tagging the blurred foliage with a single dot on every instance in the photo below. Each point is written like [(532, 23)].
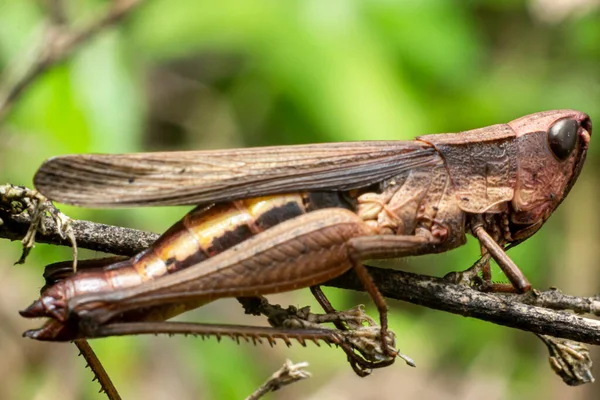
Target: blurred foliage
[(191, 74)]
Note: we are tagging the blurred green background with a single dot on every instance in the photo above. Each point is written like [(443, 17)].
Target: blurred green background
[(189, 74)]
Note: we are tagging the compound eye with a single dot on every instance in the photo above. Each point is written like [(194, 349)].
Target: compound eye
[(562, 138)]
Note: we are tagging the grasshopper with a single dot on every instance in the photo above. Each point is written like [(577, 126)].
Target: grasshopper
[(275, 219)]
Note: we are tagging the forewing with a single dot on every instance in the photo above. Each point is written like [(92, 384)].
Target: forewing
[(198, 177)]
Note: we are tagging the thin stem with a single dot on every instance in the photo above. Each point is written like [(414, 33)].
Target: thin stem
[(59, 44)]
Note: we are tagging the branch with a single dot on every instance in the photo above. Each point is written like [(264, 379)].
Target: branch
[(516, 311), (89, 235), (286, 375), (60, 43), (537, 312)]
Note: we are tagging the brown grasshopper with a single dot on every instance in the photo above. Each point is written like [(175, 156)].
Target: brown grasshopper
[(275, 219)]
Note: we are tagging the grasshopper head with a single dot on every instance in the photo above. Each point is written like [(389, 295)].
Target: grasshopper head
[(552, 146)]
